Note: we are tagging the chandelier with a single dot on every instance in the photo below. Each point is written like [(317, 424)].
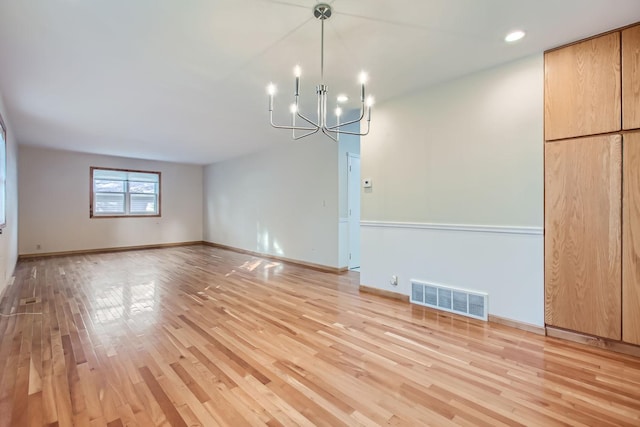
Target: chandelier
[(322, 12)]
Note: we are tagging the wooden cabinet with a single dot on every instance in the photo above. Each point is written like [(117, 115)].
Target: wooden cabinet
[(582, 88), (582, 235), (631, 78), (631, 240), (592, 186)]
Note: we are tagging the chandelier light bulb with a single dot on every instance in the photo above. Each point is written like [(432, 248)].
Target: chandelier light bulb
[(362, 78), (370, 101), (271, 89), (338, 111), (296, 72), (293, 108), (342, 98)]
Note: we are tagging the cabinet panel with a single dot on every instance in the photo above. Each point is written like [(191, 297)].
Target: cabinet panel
[(582, 88), (582, 235), (631, 240), (631, 78)]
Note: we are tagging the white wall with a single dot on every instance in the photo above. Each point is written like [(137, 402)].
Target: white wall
[(281, 201), (468, 152), (9, 236), (54, 204)]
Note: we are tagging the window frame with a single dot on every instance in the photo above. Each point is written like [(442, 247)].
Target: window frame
[(3, 174), (127, 194)]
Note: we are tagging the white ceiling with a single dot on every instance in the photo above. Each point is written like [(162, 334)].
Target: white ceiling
[(185, 80)]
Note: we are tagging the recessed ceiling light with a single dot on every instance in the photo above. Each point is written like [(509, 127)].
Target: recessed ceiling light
[(514, 36), (342, 98)]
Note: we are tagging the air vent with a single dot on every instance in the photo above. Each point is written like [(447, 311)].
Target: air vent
[(460, 301)]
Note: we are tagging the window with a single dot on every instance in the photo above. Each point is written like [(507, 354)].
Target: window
[(119, 192)]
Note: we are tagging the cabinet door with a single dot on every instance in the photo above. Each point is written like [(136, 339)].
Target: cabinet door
[(582, 88), (582, 235), (631, 240), (631, 78)]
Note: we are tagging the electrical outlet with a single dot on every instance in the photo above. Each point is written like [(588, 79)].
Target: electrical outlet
[(394, 280)]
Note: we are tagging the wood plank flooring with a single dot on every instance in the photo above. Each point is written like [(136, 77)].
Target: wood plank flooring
[(202, 336)]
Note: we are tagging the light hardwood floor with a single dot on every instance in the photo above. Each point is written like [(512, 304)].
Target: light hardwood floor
[(202, 336)]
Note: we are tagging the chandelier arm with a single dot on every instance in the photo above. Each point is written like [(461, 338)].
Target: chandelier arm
[(311, 122), (368, 128), (348, 123), (355, 133), (289, 127), (344, 132), (295, 138), (326, 132)]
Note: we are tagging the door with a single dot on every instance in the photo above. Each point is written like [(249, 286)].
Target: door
[(583, 180), (631, 78), (631, 239), (582, 88), (353, 208)]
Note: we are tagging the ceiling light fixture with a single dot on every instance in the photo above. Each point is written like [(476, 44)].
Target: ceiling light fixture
[(514, 36), (322, 12)]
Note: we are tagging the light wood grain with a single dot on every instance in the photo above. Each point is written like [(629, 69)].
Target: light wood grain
[(631, 77), (198, 335), (582, 88), (631, 240), (583, 234)]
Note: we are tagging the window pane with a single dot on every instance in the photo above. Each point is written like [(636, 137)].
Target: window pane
[(142, 187), (102, 186), (109, 175), (106, 203), (142, 177), (143, 204)]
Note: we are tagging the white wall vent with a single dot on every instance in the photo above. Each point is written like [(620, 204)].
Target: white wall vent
[(460, 301)]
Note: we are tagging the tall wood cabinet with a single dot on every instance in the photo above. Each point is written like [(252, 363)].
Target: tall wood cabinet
[(592, 186)]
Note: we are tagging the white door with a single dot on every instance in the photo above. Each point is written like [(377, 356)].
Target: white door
[(353, 207)]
